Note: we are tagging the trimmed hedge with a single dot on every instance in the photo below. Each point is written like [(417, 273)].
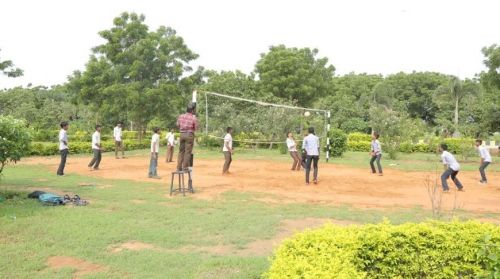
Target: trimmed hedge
[(51, 148), (463, 146), (425, 250), (359, 137)]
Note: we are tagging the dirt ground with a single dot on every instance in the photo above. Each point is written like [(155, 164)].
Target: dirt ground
[(337, 184)]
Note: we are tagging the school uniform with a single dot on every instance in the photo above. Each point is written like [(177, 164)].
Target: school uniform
[(292, 149), (452, 170), (96, 149), (311, 146), (485, 155), (155, 149), (376, 149), (63, 149), (228, 142), (170, 146)]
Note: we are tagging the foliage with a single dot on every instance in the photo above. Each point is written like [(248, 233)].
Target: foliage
[(425, 250), (52, 148), (489, 253), (7, 68), (338, 142), (14, 140), (364, 146), (293, 74), (359, 137)]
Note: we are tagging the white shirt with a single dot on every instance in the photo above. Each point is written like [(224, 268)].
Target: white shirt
[(449, 159), (290, 143), (228, 140), (96, 140), (484, 153), (170, 138), (63, 137), (117, 133), (376, 147), (155, 143), (311, 145)]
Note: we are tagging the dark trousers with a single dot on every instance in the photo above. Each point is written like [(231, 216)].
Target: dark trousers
[(186, 142), (96, 160), (481, 171), (314, 160), (379, 166), (447, 173), (153, 165), (296, 160), (119, 146), (227, 161), (170, 153), (64, 155)]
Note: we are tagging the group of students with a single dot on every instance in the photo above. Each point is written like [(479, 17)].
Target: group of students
[(310, 154), (188, 124)]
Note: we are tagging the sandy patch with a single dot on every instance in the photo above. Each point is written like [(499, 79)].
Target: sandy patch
[(133, 246), (82, 267), (338, 184)]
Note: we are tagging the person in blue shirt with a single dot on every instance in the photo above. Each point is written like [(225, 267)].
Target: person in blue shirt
[(311, 147)]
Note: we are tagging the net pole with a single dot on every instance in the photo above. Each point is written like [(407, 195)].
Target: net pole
[(328, 144), (206, 114)]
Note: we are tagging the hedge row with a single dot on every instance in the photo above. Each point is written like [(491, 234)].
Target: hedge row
[(425, 250), (50, 148), (455, 145), (83, 136)]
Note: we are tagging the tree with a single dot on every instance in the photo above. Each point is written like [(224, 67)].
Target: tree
[(490, 81), (136, 74), (7, 68), (293, 74), (14, 140), (491, 77)]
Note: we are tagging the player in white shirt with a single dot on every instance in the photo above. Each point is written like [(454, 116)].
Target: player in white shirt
[(451, 167), (63, 147), (96, 148), (155, 149), (485, 160), (117, 136), (292, 148), (376, 153), (311, 146), (170, 145), (227, 149)]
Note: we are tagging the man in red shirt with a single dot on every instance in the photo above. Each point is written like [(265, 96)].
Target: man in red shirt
[(187, 124)]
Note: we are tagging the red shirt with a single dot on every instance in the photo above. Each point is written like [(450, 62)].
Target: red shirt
[(187, 123)]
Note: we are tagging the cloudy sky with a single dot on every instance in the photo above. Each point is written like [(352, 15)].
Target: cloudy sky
[(51, 38)]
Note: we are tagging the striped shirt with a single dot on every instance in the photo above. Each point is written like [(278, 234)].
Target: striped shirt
[(187, 123)]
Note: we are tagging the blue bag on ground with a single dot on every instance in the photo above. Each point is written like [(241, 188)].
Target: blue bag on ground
[(51, 199)]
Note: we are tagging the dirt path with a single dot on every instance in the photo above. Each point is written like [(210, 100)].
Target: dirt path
[(338, 184)]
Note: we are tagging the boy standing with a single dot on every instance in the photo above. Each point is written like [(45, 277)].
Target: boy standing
[(451, 167), (227, 149), (311, 146), (96, 148), (117, 136), (170, 145), (485, 160), (63, 147), (376, 153), (155, 149)]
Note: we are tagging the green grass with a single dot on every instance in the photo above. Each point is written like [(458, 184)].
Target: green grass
[(30, 232)]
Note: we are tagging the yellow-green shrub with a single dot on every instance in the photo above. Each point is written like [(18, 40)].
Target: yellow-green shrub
[(425, 250), (364, 146), (359, 137)]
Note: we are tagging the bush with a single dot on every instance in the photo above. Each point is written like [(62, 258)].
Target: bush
[(51, 148), (359, 137), (364, 146), (425, 250), (338, 142), (406, 147), (14, 140)]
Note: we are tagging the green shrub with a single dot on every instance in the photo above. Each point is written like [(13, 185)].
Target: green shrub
[(208, 141), (46, 135), (422, 147), (359, 137), (51, 148), (282, 148), (338, 142), (406, 147), (425, 250), (15, 140), (364, 146)]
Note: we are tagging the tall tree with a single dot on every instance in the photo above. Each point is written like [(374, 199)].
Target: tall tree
[(136, 74), (490, 80), (7, 68), (293, 74)]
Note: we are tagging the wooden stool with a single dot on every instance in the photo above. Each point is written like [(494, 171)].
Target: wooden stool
[(182, 186)]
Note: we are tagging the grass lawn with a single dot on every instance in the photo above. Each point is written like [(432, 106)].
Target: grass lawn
[(121, 211)]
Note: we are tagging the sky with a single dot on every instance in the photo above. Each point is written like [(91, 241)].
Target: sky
[(50, 39)]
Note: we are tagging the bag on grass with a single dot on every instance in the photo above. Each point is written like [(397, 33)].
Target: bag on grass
[(35, 194), (51, 199)]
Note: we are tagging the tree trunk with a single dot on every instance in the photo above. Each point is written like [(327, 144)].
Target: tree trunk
[(456, 115)]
